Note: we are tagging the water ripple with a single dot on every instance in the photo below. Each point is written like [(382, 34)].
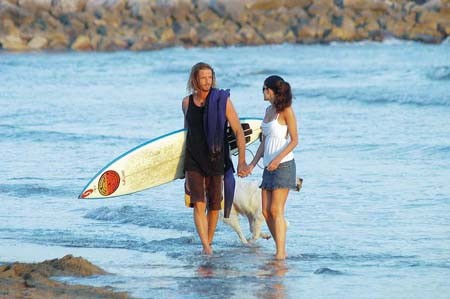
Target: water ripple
[(441, 73), (31, 190), (139, 215), (16, 133)]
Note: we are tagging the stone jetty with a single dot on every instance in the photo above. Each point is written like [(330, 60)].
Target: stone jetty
[(111, 25)]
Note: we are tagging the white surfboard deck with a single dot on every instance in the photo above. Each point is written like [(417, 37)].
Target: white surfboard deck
[(153, 163)]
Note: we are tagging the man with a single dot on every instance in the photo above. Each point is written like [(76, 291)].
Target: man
[(207, 111)]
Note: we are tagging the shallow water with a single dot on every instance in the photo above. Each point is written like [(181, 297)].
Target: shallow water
[(372, 219)]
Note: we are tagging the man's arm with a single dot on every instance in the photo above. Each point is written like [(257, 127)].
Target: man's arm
[(184, 107), (235, 125)]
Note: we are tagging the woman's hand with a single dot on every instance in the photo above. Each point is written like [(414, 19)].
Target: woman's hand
[(273, 165)]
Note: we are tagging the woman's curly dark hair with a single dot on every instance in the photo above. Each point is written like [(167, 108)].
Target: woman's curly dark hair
[(282, 90)]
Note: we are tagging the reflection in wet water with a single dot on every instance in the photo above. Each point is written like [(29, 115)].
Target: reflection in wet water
[(273, 272)]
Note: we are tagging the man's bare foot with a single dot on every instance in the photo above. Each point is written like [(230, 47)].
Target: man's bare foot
[(280, 257)]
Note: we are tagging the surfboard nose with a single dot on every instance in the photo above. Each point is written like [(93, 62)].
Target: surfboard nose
[(85, 193)]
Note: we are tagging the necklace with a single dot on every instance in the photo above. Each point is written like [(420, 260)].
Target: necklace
[(199, 102)]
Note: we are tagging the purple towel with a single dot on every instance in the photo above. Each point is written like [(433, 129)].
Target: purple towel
[(215, 120), (215, 124)]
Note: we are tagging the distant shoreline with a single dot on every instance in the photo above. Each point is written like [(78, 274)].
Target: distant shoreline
[(33, 280), (137, 25)]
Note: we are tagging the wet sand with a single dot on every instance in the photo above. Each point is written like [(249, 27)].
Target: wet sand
[(34, 280)]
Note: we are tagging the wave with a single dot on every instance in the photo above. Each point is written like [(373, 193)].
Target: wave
[(377, 97), (21, 134), (374, 260), (31, 190), (69, 238), (388, 40), (442, 151), (266, 72), (441, 73), (327, 271), (355, 258), (140, 216), (368, 260)]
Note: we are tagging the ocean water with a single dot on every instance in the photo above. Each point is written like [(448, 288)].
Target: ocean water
[(372, 219)]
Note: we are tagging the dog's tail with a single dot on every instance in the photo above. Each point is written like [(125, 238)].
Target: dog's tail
[(299, 184)]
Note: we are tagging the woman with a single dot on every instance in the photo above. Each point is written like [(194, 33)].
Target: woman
[(279, 129)]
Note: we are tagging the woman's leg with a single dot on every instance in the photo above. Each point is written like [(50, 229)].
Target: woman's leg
[(277, 206), (266, 196)]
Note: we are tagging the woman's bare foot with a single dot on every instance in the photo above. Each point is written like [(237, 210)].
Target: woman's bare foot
[(207, 250)]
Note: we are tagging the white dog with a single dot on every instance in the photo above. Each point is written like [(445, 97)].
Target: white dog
[(247, 202)]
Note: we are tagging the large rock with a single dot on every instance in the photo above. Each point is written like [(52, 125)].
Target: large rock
[(12, 9), (211, 19), (309, 33), (345, 32), (149, 24), (13, 43), (19, 280), (235, 10), (247, 35), (47, 22), (265, 4), (8, 27), (298, 3), (273, 32), (140, 9), (319, 8), (63, 7), (371, 5), (33, 6), (187, 36), (167, 36), (58, 41), (38, 43), (82, 43), (144, 43), (115, 6)]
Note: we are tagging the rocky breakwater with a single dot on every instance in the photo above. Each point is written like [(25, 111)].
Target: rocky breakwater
[(109, 25), (20, 280)]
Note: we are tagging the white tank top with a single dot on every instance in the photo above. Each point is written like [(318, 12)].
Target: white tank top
[(276, 139)]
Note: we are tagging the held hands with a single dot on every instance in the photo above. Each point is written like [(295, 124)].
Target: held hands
[(245, 171), (242, 169)]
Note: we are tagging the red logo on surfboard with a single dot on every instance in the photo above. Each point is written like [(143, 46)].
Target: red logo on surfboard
[(87, 193), (108, 182)]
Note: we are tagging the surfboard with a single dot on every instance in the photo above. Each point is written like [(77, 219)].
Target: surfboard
[(153, 163)]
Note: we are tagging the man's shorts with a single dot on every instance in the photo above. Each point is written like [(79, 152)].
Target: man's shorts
[(200, 188)]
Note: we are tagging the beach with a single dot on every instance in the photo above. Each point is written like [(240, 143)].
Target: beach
[(32, 280), (371, 220)]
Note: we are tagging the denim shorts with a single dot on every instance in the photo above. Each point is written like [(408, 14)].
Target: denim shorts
[(284, 177)]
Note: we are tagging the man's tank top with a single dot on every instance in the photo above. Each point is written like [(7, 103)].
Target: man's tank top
[(197, 157)]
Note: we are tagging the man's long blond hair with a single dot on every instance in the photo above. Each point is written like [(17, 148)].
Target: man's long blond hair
[(192, 84)]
